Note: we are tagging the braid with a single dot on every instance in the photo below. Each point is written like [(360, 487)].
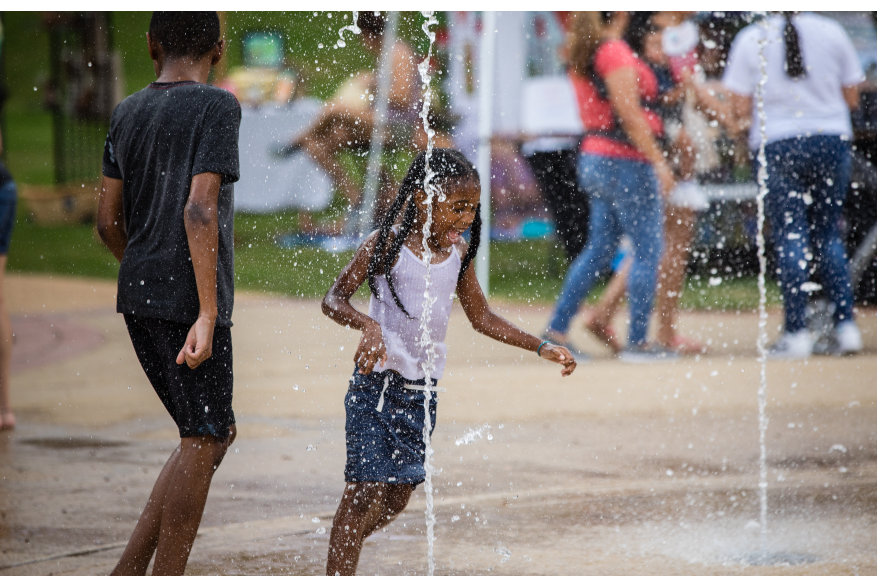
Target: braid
[(474, 243), (447, 165), (794, 60), (381, 243), (404, 230)]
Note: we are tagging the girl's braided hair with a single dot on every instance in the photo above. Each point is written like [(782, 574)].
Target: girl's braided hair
[(449, 166), (794, 64)]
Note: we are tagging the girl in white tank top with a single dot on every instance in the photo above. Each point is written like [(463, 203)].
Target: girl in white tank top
[(401, 331), (384, 403)]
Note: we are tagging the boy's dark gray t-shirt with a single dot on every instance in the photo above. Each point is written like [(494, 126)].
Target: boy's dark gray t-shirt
[(159, 139)]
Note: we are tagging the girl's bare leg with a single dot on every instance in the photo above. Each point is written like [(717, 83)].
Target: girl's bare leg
[(364, 509), (678, 231), (7, 418), (684, 151), (598, 321)]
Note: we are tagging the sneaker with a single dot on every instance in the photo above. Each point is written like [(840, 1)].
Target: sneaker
[(579, 356), (798, 345), (848, 337), (647, 353)]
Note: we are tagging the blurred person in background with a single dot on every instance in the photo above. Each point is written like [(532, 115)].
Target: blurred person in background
[(623, 168), (813, 73), (673, 64), (347, 120), (553, 159), (8, 199)]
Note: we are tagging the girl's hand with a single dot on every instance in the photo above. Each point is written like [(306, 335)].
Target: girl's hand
[(371, 349), (559, 354)]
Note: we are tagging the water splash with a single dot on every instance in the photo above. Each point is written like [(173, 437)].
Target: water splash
[(353, 28), (473, 435), (432, 192), (761, 342)]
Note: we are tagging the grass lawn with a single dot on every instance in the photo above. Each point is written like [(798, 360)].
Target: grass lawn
[(309, 38), (526, 272)]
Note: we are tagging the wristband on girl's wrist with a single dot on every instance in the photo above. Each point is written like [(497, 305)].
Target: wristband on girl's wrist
[(539, 350)]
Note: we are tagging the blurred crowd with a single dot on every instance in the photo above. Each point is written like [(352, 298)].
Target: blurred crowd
[(654, 112), (664, 101)]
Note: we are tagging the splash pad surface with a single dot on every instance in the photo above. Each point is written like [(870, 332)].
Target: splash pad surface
[(578, 477)]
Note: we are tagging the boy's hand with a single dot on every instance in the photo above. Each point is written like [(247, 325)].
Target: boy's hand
[(371, 348), (199, 343), (559, 354)]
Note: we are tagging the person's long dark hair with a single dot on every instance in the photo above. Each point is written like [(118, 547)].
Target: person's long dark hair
[(794, 60), (449, 166), (639, 26)]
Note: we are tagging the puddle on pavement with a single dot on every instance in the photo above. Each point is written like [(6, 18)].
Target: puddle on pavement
[(72, 443)]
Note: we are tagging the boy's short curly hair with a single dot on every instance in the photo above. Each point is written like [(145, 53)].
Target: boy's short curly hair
[(185, 34)]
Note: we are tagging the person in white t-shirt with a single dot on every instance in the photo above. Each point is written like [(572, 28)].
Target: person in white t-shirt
[(813, 74)]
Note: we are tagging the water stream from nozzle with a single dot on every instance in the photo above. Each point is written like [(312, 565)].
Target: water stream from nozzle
[(761, 342), (432, 192)]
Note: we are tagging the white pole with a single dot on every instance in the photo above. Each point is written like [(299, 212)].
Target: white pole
[(385, 74), (485, 118)]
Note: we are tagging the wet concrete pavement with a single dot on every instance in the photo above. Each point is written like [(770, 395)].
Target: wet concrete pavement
[(620, 469)]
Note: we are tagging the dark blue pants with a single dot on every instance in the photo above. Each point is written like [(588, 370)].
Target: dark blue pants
[(808, 179)]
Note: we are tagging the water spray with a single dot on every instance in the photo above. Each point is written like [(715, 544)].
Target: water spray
[(353, 28), (432, 192), (761, 342)]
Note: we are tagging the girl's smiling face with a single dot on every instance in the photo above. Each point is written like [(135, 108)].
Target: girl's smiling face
[(454, 216)]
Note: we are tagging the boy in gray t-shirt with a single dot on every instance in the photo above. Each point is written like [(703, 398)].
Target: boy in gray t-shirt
[(166, 213)]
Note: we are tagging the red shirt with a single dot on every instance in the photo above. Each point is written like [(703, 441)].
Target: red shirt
[(596, 113)]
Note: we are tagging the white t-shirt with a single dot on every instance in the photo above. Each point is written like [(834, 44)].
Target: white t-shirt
[(793, 108)]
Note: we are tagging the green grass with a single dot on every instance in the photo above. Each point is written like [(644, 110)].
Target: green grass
[(527, 272), (28, 138), (62, 250), (523, 272)]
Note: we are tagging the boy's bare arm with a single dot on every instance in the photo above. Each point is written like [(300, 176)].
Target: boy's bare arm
[(336, 305), (111, 218), (486, 322), (201, 219)]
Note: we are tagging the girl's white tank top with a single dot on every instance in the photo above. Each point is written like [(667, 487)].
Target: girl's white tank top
[(401, 333)]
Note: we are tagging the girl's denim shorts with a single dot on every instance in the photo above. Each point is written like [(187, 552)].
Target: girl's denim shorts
[(385, 445)]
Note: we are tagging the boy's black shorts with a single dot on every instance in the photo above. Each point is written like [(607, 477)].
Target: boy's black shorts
[(199, 400)]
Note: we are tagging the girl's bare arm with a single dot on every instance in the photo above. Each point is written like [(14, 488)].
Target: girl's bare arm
[(488, 323), (336, 302), (623, 89), (336, 305)]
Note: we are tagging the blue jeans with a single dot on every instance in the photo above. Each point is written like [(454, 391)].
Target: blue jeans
[(625, 200), (819, 165), (8, 199)]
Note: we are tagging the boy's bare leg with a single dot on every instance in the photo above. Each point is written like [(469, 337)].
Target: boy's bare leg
[(185, 499), (172, 515), (144, 539), (364, 509), (678, 231), (7, 419)]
